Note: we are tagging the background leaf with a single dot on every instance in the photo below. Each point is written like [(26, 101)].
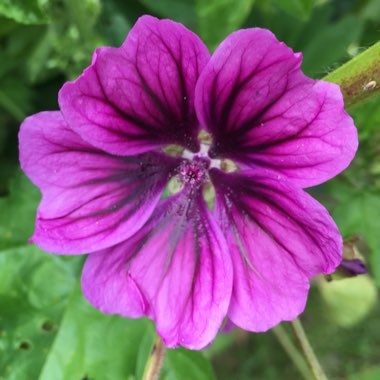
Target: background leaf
[(330, 45), (23, 11), (93, 345), (298, 8), (18, 209), (188, 365), (180, 10), (218, 18), (31, 306)]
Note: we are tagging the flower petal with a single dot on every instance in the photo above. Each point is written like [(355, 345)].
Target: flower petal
[(264, 112), (176, 270), (140, 96), (91, 199), (279, 237)]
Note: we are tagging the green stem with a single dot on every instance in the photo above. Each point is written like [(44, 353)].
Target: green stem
[(359, 78), (155, 361), (307, 350), (293, 353)]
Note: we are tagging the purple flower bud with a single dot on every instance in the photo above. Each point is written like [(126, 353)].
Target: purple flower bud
[(353, 267)]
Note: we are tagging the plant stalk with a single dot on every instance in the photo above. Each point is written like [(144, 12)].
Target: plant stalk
[(359, 78), (307, 350), (155, 361), (294, 354)]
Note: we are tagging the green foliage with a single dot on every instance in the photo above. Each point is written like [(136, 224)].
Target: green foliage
[(218, 18), (298, 8), (357, 214), (324, 44), (23, 11), (188, 365), (93, 344), (183, 11), (331, 44), (354, 197), (31, 307), (368, 374), (68, 42), (18, 211)]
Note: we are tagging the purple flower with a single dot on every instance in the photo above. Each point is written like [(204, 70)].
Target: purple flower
[(102, 164)]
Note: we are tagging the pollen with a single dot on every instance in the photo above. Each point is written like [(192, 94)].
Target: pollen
[(194, 172)]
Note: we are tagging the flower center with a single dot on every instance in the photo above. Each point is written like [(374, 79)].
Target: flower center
[(194, 171), (203, 154)]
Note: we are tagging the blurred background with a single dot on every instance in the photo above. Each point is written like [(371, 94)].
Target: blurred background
[(47, 330)]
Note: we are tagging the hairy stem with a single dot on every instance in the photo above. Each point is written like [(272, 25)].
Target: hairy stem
[(294, 355), (359, 78), (155, 361), (307, 350)]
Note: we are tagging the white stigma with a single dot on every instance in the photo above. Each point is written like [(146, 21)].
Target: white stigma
[(203, 153)]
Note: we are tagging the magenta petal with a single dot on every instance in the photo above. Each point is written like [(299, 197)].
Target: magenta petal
[(176, 270), (91, 199), (279, 237), (263, 112), (140, 96)]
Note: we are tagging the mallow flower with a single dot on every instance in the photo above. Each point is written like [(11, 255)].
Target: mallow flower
[(235, 137)]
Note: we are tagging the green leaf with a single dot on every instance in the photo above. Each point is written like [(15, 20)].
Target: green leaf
[(23, 11), (297, 8), (371, 11), (6, 26), (47, 329), (31, 306), (367, 374), (218, 18), (68, 42), (367, 118), (358, 214), (329, 45), (93, 345), (15, 98), (144, 350), (18, 212), (179, 10), (188, 365), (113, 24)]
